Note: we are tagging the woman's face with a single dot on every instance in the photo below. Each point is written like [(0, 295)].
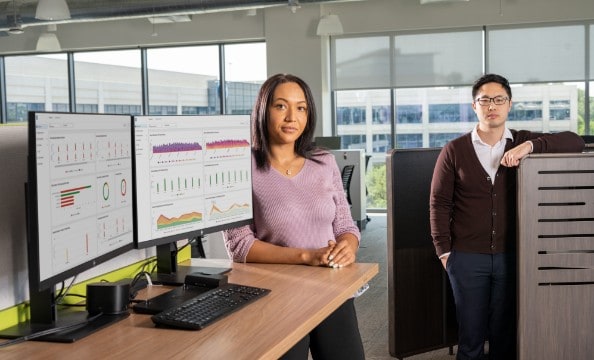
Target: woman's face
[(287, 114)]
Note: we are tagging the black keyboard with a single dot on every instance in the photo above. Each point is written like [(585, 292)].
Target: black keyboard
[(208, 307)]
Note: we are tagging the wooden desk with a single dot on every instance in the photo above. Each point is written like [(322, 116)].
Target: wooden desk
[(301, 297)]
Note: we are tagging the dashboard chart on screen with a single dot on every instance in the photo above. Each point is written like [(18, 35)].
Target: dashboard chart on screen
[(84, 206), (192, 173), (193, 177), (79, 214)]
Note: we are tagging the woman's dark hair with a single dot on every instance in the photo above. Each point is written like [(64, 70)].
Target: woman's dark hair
[(491, 78), (260, 146)]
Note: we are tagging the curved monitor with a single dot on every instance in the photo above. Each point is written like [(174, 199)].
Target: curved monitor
[(193, 177), (79, 193), (79, 213)]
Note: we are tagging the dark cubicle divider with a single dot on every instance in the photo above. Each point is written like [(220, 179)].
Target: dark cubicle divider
[(420, 302)]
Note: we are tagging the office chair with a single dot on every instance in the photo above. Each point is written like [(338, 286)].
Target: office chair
[(347, 175)]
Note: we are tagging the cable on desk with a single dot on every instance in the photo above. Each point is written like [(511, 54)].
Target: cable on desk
[(48, 331)]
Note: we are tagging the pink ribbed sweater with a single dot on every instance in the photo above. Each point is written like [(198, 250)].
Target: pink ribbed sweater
[(300, 212)]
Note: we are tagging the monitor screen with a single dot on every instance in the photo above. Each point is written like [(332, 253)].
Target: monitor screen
[(80, 192), (193, 176), (79, 213), (328, 142)]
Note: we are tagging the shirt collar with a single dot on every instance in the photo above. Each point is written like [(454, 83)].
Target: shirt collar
[(476, 139)]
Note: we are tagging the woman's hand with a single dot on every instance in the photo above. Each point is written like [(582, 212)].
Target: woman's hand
[(319, 257), (344, 251)]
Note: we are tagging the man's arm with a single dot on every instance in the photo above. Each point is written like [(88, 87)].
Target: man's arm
[(441, 204)]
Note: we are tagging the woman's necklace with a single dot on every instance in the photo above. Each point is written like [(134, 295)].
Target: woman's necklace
[(288, 170)]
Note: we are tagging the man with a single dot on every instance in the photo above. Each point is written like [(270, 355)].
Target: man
[(473, 218)]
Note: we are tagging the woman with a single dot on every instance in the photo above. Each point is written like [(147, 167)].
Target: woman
[(301, 215)]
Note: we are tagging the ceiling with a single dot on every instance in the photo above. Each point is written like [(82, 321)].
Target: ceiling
[(104, 10)]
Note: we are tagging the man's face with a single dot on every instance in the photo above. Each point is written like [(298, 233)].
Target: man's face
[(493, 113)]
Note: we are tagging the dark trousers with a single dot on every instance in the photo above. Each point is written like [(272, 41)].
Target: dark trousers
[(337, 337), (484, 291)]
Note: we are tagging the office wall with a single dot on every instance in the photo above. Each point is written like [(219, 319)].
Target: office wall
[(13, 174)]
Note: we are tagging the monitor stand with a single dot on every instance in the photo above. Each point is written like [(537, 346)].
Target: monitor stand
[(65, 325), (170, 273)]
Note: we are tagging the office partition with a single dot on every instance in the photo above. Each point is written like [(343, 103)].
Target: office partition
[(556, 256), (420, 302)]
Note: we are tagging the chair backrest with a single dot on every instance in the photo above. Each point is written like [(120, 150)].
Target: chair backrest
[(347, 175)]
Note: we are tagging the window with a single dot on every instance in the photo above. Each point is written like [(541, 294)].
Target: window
[(245, 72), (123, 109), (110, 80), (181, 80), (451, 113), (353, 141), (362, 62), (409, 141), (381, 143), (440, 139), (183, 77), (162, 110), (526, 111), (519, 52), (19, 112), (409, 114), (422, 81), (35, 83), (438, 58), (195, 110), (559, 110), (381, 114)]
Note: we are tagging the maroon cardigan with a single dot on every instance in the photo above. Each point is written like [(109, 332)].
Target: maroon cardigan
[(467, 211)]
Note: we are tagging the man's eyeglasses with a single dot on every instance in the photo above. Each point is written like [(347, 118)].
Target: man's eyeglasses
[(497, 100)]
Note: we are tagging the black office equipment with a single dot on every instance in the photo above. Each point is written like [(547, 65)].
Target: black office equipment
[(108, 298), (206, 308), (194, 285), (420, 301), (347, 176), (328, 142)]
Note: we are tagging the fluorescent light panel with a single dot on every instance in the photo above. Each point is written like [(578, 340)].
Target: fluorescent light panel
[(169, 19), (423, 2)]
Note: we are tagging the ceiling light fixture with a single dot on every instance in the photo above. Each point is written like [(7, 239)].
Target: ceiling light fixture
[(14, 21), (423, 2), (168, 19), (329, 25), (52, 10), (48, 41), (294, 5)]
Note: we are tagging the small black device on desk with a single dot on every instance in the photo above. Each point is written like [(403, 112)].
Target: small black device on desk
[(195, 284)]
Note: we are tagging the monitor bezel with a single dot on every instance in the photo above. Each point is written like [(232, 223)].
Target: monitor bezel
[(33, 236)]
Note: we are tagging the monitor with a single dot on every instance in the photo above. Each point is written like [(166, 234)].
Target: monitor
[(328, 142), (79, 211), (193, 177)]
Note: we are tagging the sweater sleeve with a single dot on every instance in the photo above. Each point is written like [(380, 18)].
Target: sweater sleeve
[(562, 142), (238, 242), (441, 201)]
